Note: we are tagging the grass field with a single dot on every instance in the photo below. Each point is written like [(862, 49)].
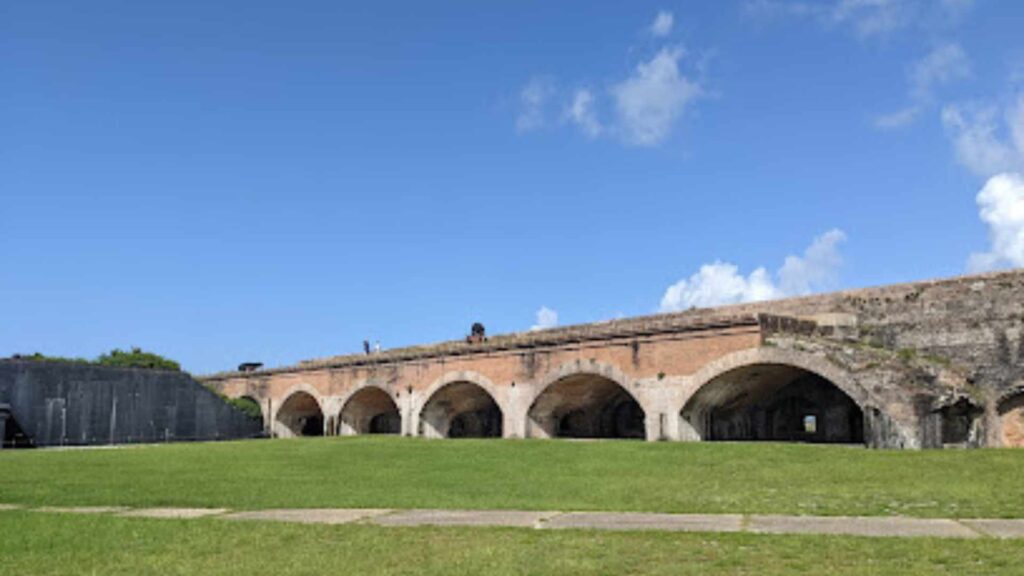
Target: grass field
[(34, 543), (533, 475)]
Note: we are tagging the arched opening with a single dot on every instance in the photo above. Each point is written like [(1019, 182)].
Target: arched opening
[(12, 435), (248, 406), (461, 410), (959, 423), (775, 402), (370, 411), (1011, 417), (300, 415), (585, 406)]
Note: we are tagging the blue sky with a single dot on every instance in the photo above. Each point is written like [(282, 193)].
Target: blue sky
[(234, 181)]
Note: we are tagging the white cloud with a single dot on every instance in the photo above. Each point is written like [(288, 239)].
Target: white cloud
[(651, 100), (1001, 208), (581, 113), (546, 318), (979, 140), (646, 105), (872, 17), (898, 119), (866, 18), (995, 151), (662, 25), (718, 284), (721, 283), (532, 100), (816, 269), (943, 65)]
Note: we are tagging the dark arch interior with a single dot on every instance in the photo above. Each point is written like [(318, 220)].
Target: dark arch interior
[(370, 411), (301, 416), (958, 422), (586, 406), (14, 436), (777, 403), (249, 406), (461, 410)]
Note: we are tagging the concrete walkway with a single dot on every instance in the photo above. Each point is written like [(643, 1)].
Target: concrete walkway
[(871, 526)]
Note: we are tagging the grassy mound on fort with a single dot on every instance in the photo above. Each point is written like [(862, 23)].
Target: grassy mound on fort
[(33, 543), (378, 472)]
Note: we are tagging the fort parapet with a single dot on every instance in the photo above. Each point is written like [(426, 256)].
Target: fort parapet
[(918, 365)]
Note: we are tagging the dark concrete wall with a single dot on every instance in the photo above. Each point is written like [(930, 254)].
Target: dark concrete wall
[(55, 404)]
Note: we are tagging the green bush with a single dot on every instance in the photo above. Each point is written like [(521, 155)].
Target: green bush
[(39, 357), (136, 358), (248, 406)]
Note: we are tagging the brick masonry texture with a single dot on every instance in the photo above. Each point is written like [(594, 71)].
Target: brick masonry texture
[(929, 364)]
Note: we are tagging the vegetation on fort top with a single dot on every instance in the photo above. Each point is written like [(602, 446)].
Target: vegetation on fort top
[(393, 472), (33, 543), (134, 358)]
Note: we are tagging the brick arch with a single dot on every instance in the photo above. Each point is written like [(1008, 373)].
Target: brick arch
[(588, 367), (577, 370), (768, 355), (777, 357), (495, 393), (252, 398), (301, 387), (361, 388), (342, 400)]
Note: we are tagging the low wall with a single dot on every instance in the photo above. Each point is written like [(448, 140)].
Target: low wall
[(68, 404)]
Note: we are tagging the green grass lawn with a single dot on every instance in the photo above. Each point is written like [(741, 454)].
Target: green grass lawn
[(34, 543), (538, 475)]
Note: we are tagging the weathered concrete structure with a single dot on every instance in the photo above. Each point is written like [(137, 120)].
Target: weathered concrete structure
[(917, 365), (76, 404)]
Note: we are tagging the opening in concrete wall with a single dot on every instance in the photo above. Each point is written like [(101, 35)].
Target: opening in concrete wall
[(461, 410), (1011, 417), (300, 415), (249, 406), (585, 406), (370, 411), (13, 436), (774, 402), (959, 422)]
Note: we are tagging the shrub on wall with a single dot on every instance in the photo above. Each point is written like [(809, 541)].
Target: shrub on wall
[(136, 358), (248, 406), (39, 357)]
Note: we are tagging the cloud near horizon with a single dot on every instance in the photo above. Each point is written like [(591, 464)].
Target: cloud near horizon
[(993, 150), (546, 318), (1001, 208), (721, 283)]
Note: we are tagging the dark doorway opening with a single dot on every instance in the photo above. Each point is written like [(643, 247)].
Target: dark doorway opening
[(461, 410), (774, 402), (586, 406)]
